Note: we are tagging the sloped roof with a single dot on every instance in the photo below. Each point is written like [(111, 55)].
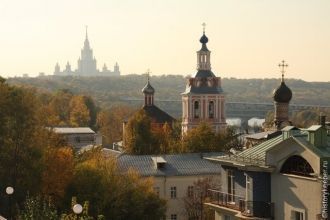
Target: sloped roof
[(263, 135), (259, 151), (176, 164), (254, 156), (72, 130), (204, 73), (158, 115)]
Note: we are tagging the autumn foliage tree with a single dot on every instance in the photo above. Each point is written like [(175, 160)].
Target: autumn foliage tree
[(204, 139), (195, 198), (117, 195), (139, 138), (110, 123)]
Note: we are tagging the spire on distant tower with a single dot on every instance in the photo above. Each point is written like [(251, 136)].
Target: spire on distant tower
[(204, 25), (86, 43), (86, 31)]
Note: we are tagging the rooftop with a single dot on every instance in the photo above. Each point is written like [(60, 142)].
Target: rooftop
[(72, 130), (158, 115), (176, 164)]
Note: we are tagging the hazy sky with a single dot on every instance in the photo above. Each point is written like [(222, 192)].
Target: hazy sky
[(248, 38)]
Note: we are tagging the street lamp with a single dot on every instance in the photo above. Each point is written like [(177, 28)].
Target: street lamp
[(77, 209), (9, 192)]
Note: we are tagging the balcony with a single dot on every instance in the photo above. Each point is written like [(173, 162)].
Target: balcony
[(258, 209)]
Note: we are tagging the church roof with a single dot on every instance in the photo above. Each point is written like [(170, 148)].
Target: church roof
[(148, 89), (204, 73), (158, 115), (282, 93)]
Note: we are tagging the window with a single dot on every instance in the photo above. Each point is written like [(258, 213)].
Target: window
[(77, 139), (298, 166), (211, 109), (156, 190), (173, 217), (173, 192), (248, 188), (190, 192), (196, 109), (227, 217), (231, 186), (295, 215)]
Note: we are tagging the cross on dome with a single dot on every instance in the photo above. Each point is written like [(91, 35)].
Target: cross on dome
[(283, 65)]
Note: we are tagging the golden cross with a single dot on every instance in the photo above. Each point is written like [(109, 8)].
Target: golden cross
[(204, 25)]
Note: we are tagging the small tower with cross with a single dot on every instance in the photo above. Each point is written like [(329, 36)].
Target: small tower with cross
[(282, 97), (148, 92), (203, 99)]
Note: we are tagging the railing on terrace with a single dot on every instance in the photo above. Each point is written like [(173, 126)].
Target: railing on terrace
[(258, 209)]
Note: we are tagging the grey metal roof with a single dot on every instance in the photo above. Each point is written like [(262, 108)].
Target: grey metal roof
[(72, 130), (176, 164)]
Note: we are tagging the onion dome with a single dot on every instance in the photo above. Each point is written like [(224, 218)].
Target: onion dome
[(148, 89), (282, 93), (204, 39)]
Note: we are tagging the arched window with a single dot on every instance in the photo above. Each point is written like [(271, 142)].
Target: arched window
[(211, 109), (196, 109), (298, 166)]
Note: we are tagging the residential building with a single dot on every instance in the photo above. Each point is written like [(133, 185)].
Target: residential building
[(203, 99), (79, 137), (284, 178), (174, 176)]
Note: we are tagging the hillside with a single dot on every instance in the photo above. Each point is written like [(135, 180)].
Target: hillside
[(109, 91)]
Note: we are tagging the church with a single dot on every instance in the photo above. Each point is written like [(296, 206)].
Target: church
[(203, 100), (86, 65)]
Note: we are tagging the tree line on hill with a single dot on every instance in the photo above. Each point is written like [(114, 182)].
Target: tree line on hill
[(111, 91)]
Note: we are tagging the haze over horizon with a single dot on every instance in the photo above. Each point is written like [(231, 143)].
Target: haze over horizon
[(247, 38)]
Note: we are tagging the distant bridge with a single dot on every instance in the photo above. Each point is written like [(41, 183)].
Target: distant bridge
[(242, 110)]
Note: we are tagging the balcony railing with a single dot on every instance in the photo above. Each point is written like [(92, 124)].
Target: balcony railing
[(258, 209)]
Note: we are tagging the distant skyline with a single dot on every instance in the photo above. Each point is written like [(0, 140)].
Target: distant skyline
[(247, 38)]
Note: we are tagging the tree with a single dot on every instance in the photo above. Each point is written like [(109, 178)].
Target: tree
[(58, 171), (139, 138), (38, 208), (59, 106), (204, 139), (79, 113), (110, 123), (199, 139), (195, 198), (117, 195), (21, 149)]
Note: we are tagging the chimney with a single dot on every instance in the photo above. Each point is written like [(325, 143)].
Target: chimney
[(322, 119)]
